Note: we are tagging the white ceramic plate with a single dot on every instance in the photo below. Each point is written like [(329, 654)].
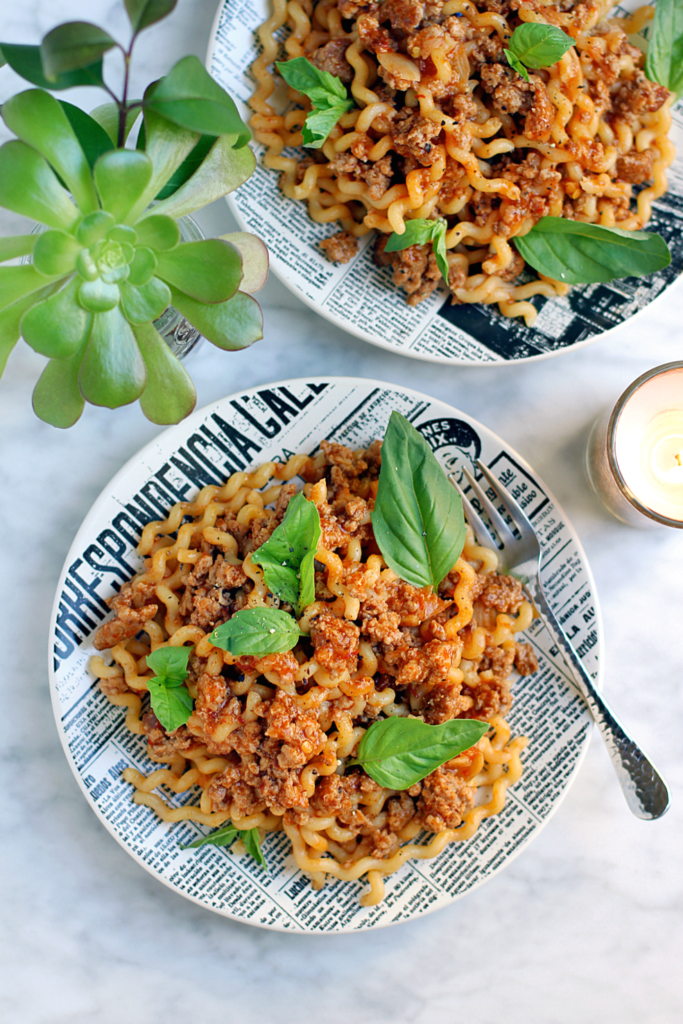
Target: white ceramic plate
[(360, 298), (248, 428)]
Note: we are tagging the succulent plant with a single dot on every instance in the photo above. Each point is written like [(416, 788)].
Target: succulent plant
[(111, 259)]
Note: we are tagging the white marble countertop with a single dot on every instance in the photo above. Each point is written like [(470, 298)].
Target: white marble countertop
[(585, 925)]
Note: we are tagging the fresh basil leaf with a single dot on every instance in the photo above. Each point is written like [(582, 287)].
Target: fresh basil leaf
[(223, 836), (143, 13), (418, 519), (578, 253), (664, 62), (73, 46), (418, 232), (516, 65), (170, 664), (326, 92), (537, 45), (398, 752), (27, 62), (439, 247), (252, 844), (257, 631), (287, 556), (171, 703)]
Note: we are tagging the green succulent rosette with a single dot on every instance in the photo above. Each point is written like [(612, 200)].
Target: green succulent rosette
[(111, 260)]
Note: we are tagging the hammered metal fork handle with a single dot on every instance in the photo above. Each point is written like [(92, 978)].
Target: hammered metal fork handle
[(646, 793)]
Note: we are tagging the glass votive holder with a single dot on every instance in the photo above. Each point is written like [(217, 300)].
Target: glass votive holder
[(634, 457)]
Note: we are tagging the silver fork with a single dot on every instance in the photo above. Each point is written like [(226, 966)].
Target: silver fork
[(645, 790)]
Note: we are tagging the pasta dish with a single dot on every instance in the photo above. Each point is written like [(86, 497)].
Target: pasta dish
[(444, 127), (269, 738)]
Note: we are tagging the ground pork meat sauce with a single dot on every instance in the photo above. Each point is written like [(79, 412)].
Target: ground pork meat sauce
[(580, 139), (277, 728)]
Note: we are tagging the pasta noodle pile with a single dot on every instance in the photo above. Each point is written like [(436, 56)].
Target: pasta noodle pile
[(443, 127), (267, 743)]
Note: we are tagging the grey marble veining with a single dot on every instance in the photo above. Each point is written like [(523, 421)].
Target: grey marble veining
[(586, 925)]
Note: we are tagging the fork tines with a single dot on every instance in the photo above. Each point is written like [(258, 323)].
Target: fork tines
[(516, 513)]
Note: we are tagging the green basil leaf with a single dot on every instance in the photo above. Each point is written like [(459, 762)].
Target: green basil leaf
[(440, 251), (171, 704), (578, 253), (91, 135), (537, 45), (143, 13), (72, 46), (418, 519), (170, 664), (326, 92), (208, 271), (252, 844), (169, 394), (27, 62), (287, 556), (257, 631), (188, 96), (417, 232), (230, 325), (223, 836), (398, 752), (516, 65), (664, 63)]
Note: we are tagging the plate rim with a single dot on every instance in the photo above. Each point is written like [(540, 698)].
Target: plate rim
[(104, 496), (380, 342)]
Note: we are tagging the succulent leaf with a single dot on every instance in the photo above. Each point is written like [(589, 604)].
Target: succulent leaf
[(107, 116), (230, 325), (27, 62), (187, 167), (167, 145), (16, 245), (40, 121), (146, 303), (28, 185), (73, 45), (158, 233), (15, 282), (254, 255), (92, 137), (55, 253), (123, 233), (94, 227), (10, 320), (98, 297), (121, 177), (223, 170), (57, 399), (113, 371), (209, 271), (143, 266), (188, 96), (57, 326), (170, 394)]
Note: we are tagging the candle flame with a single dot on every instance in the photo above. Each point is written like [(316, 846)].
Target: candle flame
[(677, 457)]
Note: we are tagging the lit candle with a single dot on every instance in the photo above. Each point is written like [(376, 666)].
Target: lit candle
[(635, 452)]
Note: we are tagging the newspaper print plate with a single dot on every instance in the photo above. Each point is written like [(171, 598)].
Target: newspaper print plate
[(360, 298), (248, 428)]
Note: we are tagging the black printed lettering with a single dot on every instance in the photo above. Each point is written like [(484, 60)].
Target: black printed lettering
[(240, 441), (280, 407), (192, 469), (233, 463), (269, 429)]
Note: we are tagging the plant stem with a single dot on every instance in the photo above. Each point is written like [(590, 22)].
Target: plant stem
[(123, 105)]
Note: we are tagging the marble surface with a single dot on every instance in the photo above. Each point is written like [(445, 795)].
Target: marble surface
[(585, 925)]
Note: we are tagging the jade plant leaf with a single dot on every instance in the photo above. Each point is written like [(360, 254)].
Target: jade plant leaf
[(188, 96), (27, 62), (230, 325), (143, 267), (93, 138), (143, 13), (187, 168), (159, 233), (15, 282), (55, 253), (28, 185), (170, 394), (144, 303), (94, 227), (16, 245), (224, 170), (57, 326), (73, 45), (167, 145), (99, 296), (10, 320), (39, 120), (209, 271), (121, 177), (113, 371), (254, 255), (57, 398)]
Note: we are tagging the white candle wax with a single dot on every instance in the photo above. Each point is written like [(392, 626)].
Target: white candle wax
[(648, 444)]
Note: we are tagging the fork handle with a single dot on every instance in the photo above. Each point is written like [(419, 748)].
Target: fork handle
[(646, 793)]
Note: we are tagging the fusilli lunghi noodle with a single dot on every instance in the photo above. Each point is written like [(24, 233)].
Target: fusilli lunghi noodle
[(268, 740), (444, 127)]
